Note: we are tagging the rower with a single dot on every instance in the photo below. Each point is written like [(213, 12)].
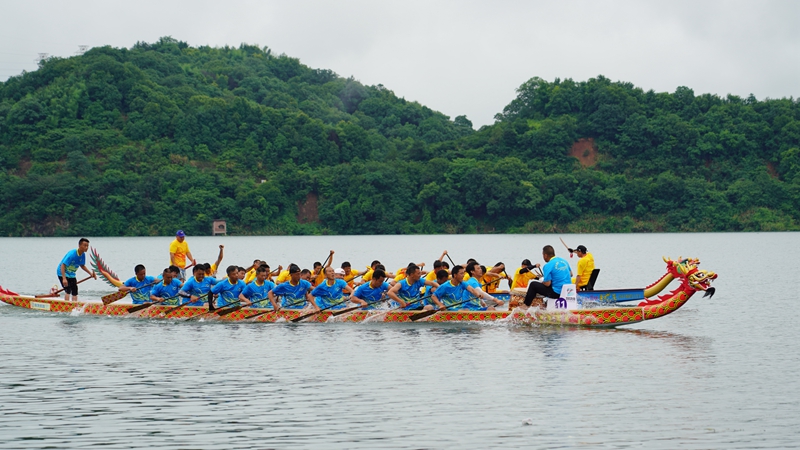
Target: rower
[(139, 285), (452, 291), (295, 292), (350, 274), (523, 275), (258, 289), (229, 289), (474, 289), (329, 294), (369, 294), (196, 286), (318, 274), (168, 287), (407, 290)]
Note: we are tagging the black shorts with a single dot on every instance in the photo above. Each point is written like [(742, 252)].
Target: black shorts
[(71, 287)]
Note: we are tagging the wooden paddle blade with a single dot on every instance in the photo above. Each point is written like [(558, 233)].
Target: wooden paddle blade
[(114, 296), (225, 312), (423, 315), (346, 310), (140, 307)]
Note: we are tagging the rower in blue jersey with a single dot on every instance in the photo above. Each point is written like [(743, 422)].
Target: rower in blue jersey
[(474, 293), (196, 286), (406, 293), (369, 294), (451, 292), (295, 293), (330, 292), (167, 288), (139, 285), (257, 291), (228, 289)]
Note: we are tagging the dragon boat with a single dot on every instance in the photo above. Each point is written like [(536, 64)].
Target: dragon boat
[(690, 277)]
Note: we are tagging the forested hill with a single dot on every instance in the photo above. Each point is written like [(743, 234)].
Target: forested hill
[(161, 136)]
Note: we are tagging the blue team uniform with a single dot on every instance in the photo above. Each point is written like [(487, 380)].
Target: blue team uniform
[(327, 296), (197, 288), (256, 293), (372, 296), (557, 272), (472, 304), (72, 261), (168, 291), (228, 292), (142, 292), (409, 293), (449, 294), (293, 295)]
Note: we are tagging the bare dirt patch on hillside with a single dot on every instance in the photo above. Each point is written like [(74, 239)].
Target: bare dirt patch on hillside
[(585, 151)]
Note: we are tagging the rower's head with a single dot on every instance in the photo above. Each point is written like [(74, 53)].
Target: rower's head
[(305, 274), (330, 273), (442, 276), (374, 264), (140, 272), (175, 270), (548, 253), (339, 274), (445, 265), (346, 267), (413, 273), (474, 269), (242, 272), (83, 245), (581, 251), (199, 272), (437, 265), (180, 236), (458, 274), (378, 277), (261, 272), (206, 268), (233, 273), (294, 273), (167, 276)]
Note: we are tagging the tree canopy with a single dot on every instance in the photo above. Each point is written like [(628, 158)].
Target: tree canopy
[(161, 136)]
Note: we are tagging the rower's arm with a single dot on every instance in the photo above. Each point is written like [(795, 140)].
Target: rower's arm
[(437, 302), (310, 299), (392, 293)]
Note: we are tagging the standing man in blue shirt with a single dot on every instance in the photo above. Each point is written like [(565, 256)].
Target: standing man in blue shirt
[(555, 274), (69, 265)]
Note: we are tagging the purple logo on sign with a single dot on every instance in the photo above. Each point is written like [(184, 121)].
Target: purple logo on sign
[(561, 303)]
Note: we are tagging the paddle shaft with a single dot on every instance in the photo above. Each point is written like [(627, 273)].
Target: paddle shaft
[(61, 290), (253, 316), (228, 310), (353, 308), (298, 319), (424, 314), (167, 312), (147, 305)]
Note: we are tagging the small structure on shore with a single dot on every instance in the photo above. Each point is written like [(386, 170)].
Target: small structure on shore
[(219, 227)]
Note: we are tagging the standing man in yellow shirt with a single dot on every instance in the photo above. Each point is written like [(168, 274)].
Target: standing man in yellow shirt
[(179, 252), (585, 267)]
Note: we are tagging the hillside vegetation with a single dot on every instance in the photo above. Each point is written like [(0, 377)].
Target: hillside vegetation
[(161, 136)]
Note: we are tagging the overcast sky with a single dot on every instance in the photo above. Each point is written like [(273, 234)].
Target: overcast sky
[(457, 57)]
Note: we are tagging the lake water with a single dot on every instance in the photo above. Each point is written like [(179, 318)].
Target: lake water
[(719, 373)]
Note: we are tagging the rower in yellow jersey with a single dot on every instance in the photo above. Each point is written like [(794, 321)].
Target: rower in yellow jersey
[(523, 275), (318, 274)]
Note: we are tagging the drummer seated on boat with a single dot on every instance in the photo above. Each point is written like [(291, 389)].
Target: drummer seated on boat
[(168, 287), (198, 285), (555, 274), (406, 293), (330, 292), (369, 295), (295, 293), (229, 289), (139, 285), (451, 292), (257, 291), (475, 291)]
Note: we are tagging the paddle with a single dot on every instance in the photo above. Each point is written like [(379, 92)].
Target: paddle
[(60, 290), (222, 311), (165, 313), (225, 312), (424, 314), (114, 296), (253, 316), (353, 308), (565, 245), (149, 304), (451, 259), (298, 319)]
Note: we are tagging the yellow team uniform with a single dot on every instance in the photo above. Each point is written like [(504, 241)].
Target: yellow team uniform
[(180, 249), (250, 276), (282, 277), (521, 280), (349, 277), (401, 274), (585, 268), (368, 276), (492, 282)]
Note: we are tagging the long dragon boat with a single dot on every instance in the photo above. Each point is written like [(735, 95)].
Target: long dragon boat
[(685, 271)]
